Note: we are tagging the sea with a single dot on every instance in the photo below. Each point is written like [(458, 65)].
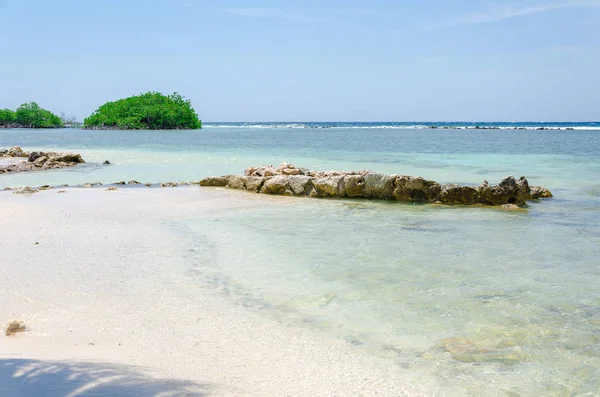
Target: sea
[(476, 301)]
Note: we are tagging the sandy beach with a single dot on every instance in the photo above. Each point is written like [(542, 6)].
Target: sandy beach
[(111, 308)]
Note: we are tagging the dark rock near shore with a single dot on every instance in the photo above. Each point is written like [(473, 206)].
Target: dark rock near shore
[(290, 180), (34, 156)]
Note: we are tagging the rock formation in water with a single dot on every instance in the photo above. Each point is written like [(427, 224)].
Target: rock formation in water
[(290, 180), (38, 161)]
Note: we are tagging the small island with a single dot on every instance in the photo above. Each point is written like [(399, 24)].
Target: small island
[(150, 111), (29, 115)]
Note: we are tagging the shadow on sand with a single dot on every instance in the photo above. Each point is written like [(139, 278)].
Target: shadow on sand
[(24, 378)]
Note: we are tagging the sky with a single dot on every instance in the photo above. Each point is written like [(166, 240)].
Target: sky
[(310, 60)]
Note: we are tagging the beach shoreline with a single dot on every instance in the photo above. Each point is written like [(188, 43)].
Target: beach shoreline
[(109, 302)]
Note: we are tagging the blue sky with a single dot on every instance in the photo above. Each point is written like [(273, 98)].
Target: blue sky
[(309, 60)]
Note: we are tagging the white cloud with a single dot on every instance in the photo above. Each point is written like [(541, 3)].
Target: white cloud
[(509, 12), (500, 13)]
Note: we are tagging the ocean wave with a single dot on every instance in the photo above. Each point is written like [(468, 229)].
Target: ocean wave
[(402, 126)]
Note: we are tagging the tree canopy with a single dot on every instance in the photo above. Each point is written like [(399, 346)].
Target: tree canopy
[(7, 117), (151, 111), (29, 115)]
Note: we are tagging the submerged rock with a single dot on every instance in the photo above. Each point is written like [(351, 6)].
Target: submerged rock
[(294, 181)]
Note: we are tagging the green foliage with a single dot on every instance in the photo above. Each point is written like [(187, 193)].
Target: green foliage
[(7, 117), (150, 111), (30, 115)]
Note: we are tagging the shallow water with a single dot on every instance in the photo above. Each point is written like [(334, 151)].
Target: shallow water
[(480, 301)]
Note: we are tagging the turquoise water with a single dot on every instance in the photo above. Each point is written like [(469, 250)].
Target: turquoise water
[(477, 301)]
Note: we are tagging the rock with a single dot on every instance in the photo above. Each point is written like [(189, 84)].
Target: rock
[(267, 170), (169, 184), (288, 179), (134, 182), (416, 189), (329, 186), (25, 190), (214, 181), (15, 326), (34, 156), (106, 162), (67, 158), (235, 182), (3, 152), (508, 191), (380, 186), (111, 188), (275, 185), (40, 160), (300, 185), (25, 166), (119, 183), (253, 183), (354, 185), (61, 191), (15, 151), (538, 192), (289, 169), (455, 194)]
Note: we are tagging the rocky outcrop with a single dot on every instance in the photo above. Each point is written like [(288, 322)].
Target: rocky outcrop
[(38, 160), (290, 180)]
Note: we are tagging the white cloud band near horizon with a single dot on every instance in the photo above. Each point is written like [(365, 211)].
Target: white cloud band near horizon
[(509, 12)]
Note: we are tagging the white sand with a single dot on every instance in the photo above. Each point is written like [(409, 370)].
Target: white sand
[(113, 310)]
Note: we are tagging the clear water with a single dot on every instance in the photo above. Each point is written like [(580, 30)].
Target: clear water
[(479, 301)]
